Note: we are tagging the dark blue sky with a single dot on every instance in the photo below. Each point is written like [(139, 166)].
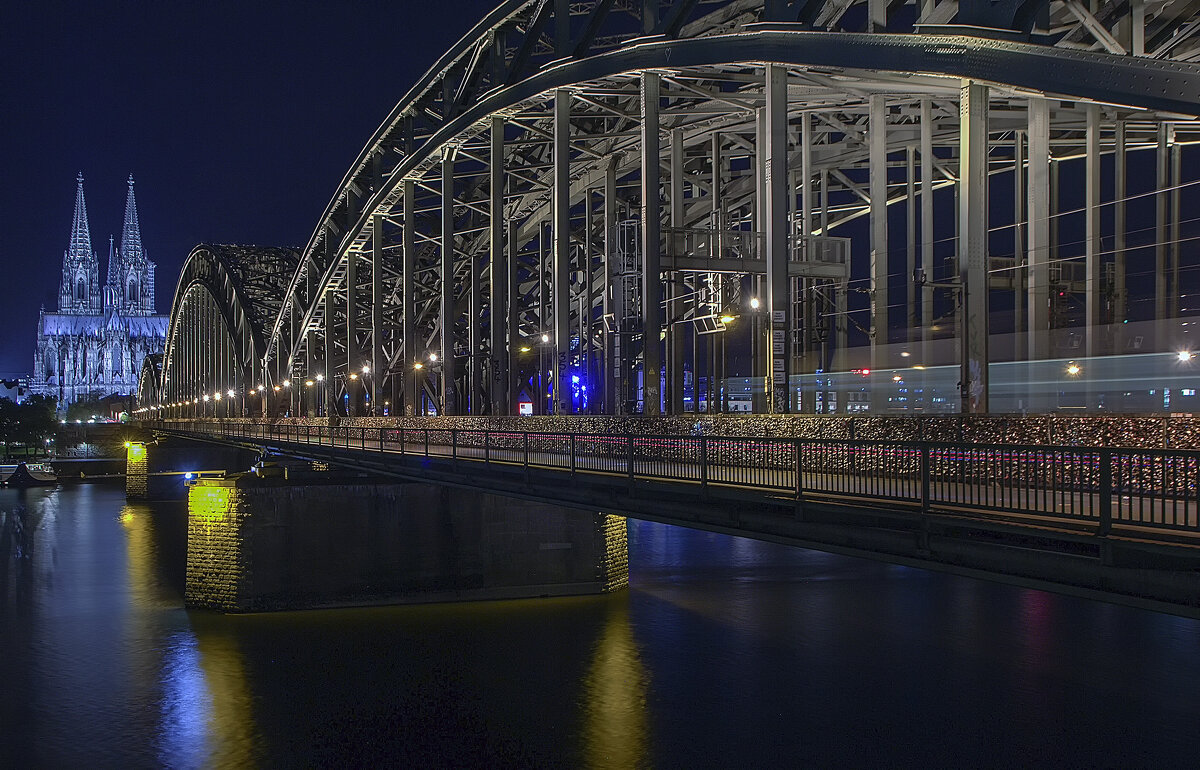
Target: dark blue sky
[(237, 120)]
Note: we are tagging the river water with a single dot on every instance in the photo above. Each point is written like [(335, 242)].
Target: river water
[(725, 652)]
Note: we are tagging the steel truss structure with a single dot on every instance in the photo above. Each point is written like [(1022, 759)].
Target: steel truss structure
[(595, 206)]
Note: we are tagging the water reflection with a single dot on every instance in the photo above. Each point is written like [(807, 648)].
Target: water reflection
[(725, 652), (616, 733)]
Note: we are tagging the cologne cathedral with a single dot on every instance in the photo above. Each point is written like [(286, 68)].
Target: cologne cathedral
[(95, 344)]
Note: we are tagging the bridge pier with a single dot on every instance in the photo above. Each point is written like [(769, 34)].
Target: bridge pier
[(258, 544), (157, 470)]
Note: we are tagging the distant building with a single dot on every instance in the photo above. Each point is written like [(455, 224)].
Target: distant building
[(95, 344)]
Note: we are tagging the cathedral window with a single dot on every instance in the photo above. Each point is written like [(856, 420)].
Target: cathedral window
[(132, 293), (80, 290)]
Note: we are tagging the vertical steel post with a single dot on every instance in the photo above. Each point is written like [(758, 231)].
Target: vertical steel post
[(1019, 227), (1038, 253), (972, 245), (377, 358), (498, 270), (1174, 237), (1093, 295), (1162, 201), (447, 314), (652, 315), (927, 237), (675, 285), (1120, 177), (330, 384), (779, 306), (408, 319), (877, 159), (910, 241), (560, 331), (351, 333), (612, 368)]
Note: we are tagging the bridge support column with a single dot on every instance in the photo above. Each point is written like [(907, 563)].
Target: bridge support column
[(498, 346), (448, 313), (137, 478), (561, 259), (877, 113), (652, 293), (266, 544), (408, 324), (779, 300), (1039, 229), (973, 245)]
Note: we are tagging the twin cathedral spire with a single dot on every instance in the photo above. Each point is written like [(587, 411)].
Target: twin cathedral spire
[(129, 288)]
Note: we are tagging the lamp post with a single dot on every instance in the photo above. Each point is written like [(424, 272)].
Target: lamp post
[(321, 407)]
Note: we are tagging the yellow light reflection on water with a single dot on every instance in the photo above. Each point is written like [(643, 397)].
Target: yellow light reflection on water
[(616, 729)]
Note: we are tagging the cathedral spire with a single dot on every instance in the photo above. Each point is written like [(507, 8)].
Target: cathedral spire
[(131, 235), (80, 247), (114, 278)]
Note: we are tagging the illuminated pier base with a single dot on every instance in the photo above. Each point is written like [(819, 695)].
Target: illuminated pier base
[(158, 470), (271, 544)]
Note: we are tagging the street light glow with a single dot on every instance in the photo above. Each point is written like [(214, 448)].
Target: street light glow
[(366, 369), (545, 338), (433, 356), (418, 365), (308, 383), (725, 319), (287, 383), (230, 393), (353, 376), (1185, 356), (754, 303), (320, 378), (1073, 369), (206, 397)]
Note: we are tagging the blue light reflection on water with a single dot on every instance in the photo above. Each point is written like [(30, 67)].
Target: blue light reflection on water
[(725, 652)]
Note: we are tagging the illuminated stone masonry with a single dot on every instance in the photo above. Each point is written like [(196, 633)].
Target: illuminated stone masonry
[(270, 544)]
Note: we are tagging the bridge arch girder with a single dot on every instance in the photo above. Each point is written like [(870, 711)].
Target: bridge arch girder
[(409, 149), (224, 300)]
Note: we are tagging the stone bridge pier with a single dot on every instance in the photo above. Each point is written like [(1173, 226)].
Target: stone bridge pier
[(295, 534), (259, 544), (158, 469)]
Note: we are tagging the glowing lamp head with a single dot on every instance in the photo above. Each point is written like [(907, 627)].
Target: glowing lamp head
[(1073, 369), (189, 475), (525, 349), (726, 319), (308, 383), (545, 338), (418, 365), (230, 392), (276, 388), (433, 356), (217, 396), (353, 376), (1185, 355), (754, 303), (206, 398), (287, 383), (366, 369), (320, 378)]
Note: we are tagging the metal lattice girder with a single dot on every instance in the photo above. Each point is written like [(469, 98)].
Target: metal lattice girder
[(554, 94)]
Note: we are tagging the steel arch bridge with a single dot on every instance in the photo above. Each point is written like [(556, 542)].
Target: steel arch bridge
[(599, 205)]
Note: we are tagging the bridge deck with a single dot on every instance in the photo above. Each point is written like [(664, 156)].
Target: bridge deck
[(1147, 493)]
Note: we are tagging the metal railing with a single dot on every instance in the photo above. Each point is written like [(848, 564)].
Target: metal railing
[(1151, 489)]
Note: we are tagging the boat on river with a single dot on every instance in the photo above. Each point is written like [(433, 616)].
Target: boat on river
[(28, 475)]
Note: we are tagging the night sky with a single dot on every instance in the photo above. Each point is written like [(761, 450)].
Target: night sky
[(237, 120)]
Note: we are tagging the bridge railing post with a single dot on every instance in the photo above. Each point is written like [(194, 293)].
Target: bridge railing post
[(924, 477), (572, 455), (799, 470), (486, 448), (629, 461), (704, 465), (525, 454), (454, 448), (426, 443), (1106, 493)]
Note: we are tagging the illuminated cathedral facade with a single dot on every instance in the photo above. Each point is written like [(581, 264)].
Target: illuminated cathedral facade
[(95, 344)]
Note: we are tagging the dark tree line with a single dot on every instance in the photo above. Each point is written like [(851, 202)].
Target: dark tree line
[(25, 427)]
